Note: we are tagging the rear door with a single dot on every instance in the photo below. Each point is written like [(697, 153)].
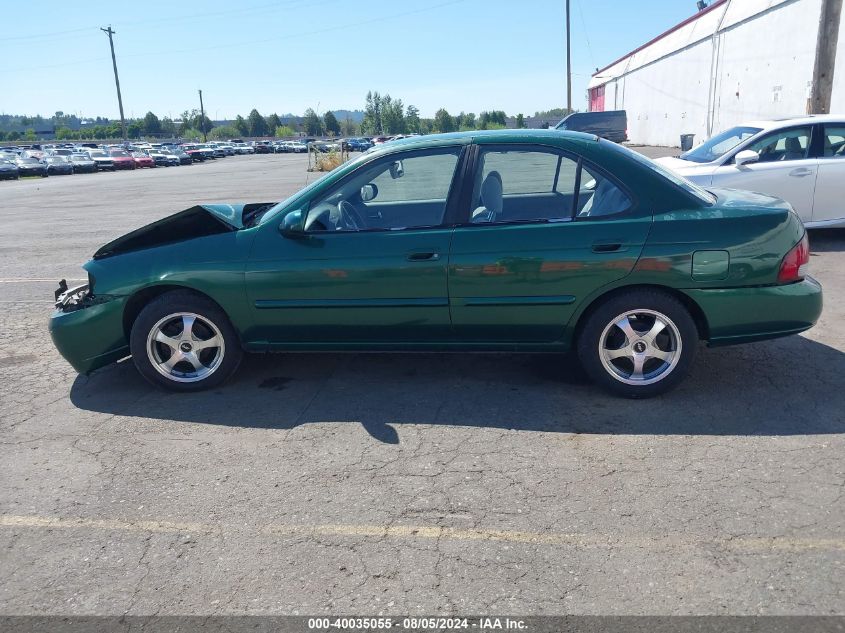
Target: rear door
[(829, 203), (785, 169), (542, 232)]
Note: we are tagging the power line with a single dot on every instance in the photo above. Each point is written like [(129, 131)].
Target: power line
[(38, 35)]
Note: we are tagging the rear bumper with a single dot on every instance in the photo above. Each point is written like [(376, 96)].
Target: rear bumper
[(742, 315), (90, 337)]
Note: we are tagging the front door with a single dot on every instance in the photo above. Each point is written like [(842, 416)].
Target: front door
[(371, 264), (532, 249), (784, 169)]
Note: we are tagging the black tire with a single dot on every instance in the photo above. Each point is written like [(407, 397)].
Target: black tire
[(165, 311), (638, 310)]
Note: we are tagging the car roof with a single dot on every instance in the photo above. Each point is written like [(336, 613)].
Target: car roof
[(808, 119), (506, 136)]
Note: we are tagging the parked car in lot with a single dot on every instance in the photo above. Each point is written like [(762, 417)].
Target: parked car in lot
[(177, 153), (161, 160), (242, 148), (82, 163), (58, 166), (28, 166), (611, 124), (297, 147), (262, 148), (196, 153), (801, 160), (122, 159), (103, 159), (142, 159), (8, 169), (528, 240)]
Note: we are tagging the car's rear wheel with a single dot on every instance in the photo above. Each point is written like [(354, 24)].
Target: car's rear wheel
[(638, 344), (184, 342)]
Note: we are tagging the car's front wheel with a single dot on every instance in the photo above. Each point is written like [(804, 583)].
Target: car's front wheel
[(184, 342), (638, 344)]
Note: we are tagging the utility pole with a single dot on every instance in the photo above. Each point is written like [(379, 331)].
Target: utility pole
[(109, 32), (822, 85), (202, 119), (568, 65)]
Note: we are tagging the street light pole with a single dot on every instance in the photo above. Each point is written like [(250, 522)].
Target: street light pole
[(109, 32), (568, 65)]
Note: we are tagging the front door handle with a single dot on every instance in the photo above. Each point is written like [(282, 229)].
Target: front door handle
[(606, 247), (800, 172), (423, 256)]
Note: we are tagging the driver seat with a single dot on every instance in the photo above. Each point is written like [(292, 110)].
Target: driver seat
[(491, 200)]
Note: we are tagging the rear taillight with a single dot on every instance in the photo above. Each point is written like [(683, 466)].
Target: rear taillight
[(794, 265)]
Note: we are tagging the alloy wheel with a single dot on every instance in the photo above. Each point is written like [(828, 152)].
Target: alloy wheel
[(640, 347), (185, 347)]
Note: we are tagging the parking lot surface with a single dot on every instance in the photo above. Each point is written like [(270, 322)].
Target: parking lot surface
[(400, 483)]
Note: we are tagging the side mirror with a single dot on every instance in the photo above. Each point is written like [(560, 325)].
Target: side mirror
[(397, 170), (293, 225), (746, 156), (368, 192)]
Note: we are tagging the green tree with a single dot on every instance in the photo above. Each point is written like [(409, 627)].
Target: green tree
[(520, 121), (311, 123), (331, 123), (13, 136), (284, 130), (273, 121), (443, 121), (168, 128), (412, 119), (64, 134), (29, 135), (256, 123), (152, 125), (241, 126), (222, 132), (392, 115), (192, 134), (135, 128), (348, 127), (2, 135), (372, 123)]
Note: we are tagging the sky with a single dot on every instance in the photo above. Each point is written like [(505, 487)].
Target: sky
[(288, 55)]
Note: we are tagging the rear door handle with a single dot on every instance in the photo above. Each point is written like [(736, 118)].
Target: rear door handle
[(606, 247), (800, 172), (423, 256)]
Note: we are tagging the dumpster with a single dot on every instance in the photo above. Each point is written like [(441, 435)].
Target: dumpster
[(686, 141)]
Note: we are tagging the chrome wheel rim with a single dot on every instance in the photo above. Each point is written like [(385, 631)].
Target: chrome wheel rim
[(185, 347), (640, 347)]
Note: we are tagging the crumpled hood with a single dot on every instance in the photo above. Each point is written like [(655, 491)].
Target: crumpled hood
[(198, 221), (231, 214)]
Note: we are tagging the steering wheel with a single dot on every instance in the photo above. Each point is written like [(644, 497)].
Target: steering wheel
[(350, 216)]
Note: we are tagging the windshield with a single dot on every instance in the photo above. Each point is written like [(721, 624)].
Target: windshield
[(98, 154), (271, 212), (56, 159), (120, 154), (719, 145)]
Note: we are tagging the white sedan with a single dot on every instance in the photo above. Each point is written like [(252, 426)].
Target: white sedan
[(801, 160)]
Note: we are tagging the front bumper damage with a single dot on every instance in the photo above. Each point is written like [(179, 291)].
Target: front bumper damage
[(87, 328)]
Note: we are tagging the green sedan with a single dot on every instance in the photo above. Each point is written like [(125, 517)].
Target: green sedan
[(516, 240)]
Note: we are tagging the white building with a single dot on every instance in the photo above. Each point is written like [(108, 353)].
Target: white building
[(734, 61)]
